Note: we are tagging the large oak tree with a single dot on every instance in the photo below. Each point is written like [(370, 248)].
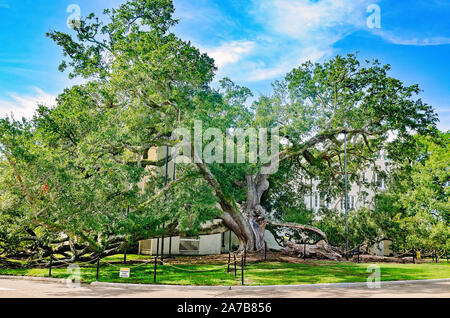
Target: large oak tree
[(142, 82)]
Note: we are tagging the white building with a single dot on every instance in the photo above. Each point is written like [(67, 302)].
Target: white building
[(359, 195)]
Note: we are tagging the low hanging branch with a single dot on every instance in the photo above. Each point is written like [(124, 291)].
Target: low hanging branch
[(301, 227), (85, 237)]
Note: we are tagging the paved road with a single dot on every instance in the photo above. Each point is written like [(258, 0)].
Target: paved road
[(14, 288)]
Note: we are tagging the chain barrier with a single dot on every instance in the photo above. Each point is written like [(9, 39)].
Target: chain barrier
[(193, 270), (122, 266), (110, 264), (65, 263)]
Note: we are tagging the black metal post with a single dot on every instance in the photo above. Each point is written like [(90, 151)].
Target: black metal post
[(229, 260), (51, 263), (245, 256), (157, 247), (242, 267), (235, 261), (154, 271), (436, 256), (166, 178), (229, 242), (173, 179), (162, 244), (98, 267), (265, 251), (170, 247), (414, 256), (346, 198), (358, 255), (126, 243)]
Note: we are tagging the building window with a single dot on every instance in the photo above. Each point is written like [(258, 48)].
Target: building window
[(351, 202), (317, 200), (376, 179), (379, 181), (189, 245)]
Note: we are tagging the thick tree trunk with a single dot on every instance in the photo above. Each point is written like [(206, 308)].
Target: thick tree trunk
[(257, 220), (249, 221), (254, 212)]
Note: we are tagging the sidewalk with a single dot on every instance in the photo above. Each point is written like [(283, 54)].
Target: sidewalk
[(16, 287)]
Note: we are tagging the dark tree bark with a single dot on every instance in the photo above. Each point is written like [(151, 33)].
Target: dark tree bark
[(253, 210)]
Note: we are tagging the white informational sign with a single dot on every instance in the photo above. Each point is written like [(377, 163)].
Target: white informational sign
[(125, 273)]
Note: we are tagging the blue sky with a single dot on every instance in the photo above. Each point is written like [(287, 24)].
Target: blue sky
[(254, 42)]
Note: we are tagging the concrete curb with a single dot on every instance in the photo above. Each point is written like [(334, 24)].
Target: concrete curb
[(286, 287), (305, 286), (42, 279), (149, 287)]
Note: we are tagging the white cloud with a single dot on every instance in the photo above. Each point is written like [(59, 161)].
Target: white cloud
[(230, 53), (328, 21), (416, 41), (260, 72), (25, 105), (290, 32), (293, 31), (305, 19)]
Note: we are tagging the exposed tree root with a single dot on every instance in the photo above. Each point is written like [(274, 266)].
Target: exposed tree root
[(320, 250), (292, 237), (384, 259)]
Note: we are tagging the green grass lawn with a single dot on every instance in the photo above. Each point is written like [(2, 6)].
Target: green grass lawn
[(269, 273)]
